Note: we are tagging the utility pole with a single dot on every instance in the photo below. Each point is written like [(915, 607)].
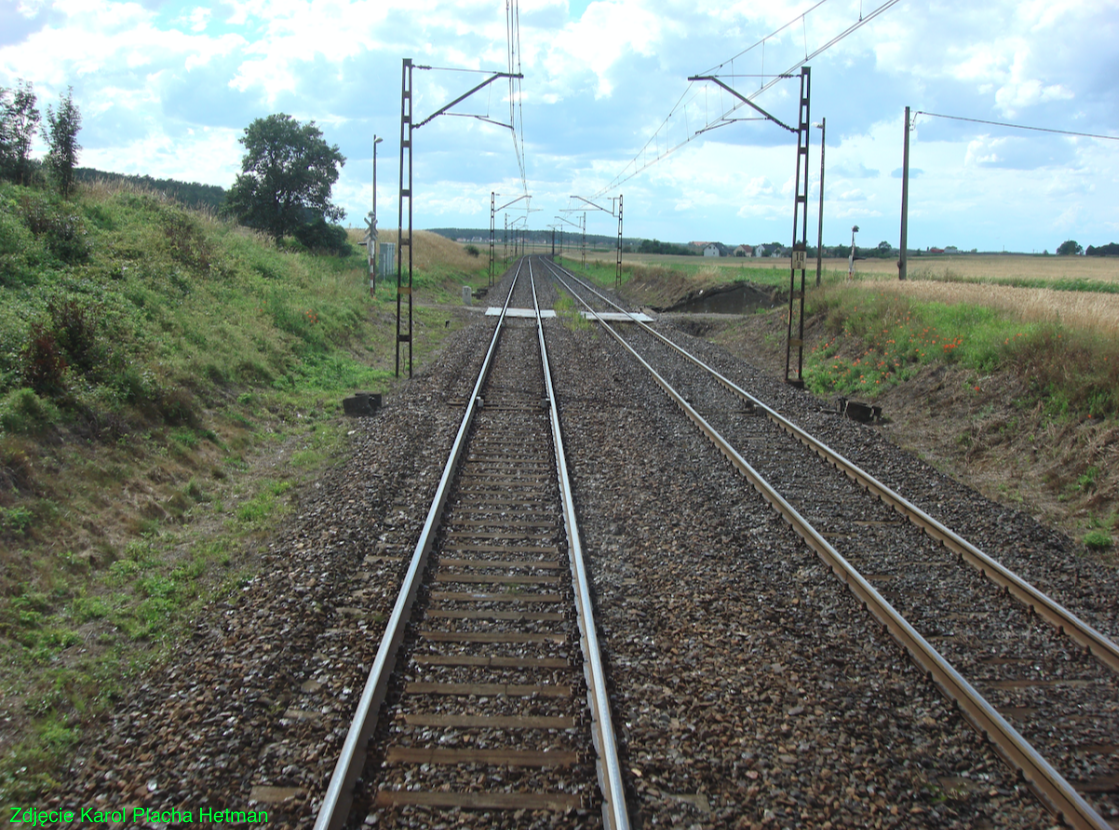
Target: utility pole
[(618, 266), (577, 226), (492, 195), (823, 125), (584, 241), (371, 233), (902, 259), (851, 261), (615, 210), (408, 126), (799, 260), (402, 239), (800, 215)]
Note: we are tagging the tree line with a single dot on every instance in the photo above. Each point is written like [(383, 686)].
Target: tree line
[(20, 122), (189, 194)]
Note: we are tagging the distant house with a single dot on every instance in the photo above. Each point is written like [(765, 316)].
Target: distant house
[(936, 250), (768, 249), (951, 249), (711, 249), (744, 250)]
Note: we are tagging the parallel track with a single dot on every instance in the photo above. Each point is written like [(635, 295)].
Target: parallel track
[(487, 710), (1057, 680)]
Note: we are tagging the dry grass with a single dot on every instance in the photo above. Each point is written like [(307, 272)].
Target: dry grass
[(719, 263), (432, 252), (991, 267), (945, 268), (1077, 310), (946, 279)]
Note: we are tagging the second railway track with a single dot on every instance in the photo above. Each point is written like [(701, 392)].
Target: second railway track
[(1041, 683)]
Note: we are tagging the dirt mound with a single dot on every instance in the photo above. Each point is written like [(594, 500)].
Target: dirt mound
[(666, 289)]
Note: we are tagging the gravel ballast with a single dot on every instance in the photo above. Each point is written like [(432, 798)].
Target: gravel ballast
[(749, 688)]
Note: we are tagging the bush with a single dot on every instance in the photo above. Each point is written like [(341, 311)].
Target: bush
[(65, 234), (322, 238), (25, 412), (187, 242), (1097, 539), (42, 364), (75, 331), (473, 250), (17, 251)]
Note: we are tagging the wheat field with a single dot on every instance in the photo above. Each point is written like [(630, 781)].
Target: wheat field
[(942, 280)]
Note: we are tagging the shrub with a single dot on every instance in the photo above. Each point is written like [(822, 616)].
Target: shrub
[(15, 520), (75, 331), (65, 234), (23, 411), (177, 407), (473, 250), (320, 237), (1097, 539), (42, 363), (185, 239)]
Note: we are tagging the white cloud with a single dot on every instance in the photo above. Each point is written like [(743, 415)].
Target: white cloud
[(596, 87)]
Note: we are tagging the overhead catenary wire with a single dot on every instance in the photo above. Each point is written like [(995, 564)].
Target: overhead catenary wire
[(770, 36), (516, 107), (1015, 126), (640, 162)]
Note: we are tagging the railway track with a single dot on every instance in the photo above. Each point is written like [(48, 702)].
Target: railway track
[(488, 694), (1036, 680)]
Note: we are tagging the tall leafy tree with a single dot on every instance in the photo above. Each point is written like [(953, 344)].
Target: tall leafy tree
[(62, 136), (19, 121), (287, 174), (1070, 247)]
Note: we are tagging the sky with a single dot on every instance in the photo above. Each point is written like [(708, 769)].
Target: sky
[(166, 88)]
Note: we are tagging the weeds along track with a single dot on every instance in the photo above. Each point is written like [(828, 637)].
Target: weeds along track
[(1038, 681), (495, 711)]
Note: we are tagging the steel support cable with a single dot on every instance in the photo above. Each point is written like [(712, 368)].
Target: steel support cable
[(1014, 126), (336, 803), (1065, 621), (614, 812), (623, 177), (1048, 784)]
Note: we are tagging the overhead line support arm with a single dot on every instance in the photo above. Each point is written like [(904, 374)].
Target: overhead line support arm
[(744, 99), (466, 95)]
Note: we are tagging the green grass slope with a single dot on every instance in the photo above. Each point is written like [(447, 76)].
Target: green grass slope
[(152, 360)]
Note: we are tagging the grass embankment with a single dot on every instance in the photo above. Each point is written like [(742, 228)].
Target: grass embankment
[(1020, 355), (167, 381), (1036, 374)]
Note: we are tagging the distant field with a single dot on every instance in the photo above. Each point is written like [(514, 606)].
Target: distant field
[(995, 267), (1032, 288)]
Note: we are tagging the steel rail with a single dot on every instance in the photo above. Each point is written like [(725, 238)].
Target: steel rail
[(614, 812), (335, 807), (1065, 621), (1048, 784)]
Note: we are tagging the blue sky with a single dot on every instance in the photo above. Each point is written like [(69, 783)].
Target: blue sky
[(166, 89)]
